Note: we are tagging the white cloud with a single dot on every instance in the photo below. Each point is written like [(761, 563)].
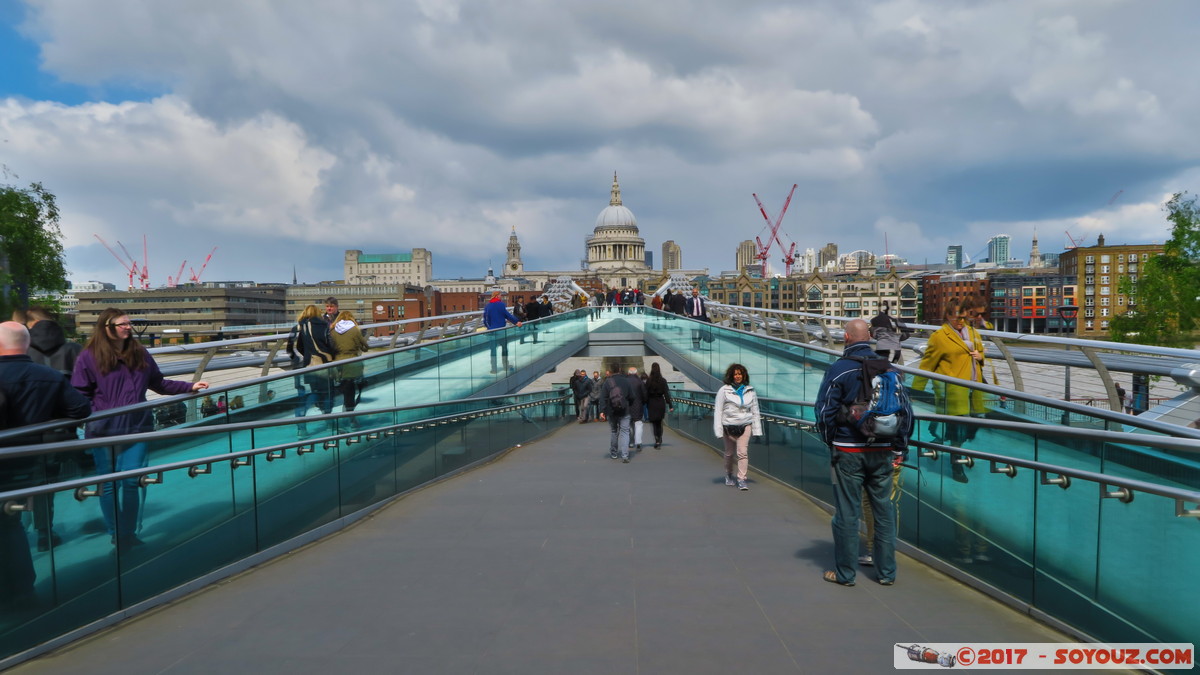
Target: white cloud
[(357, 124)]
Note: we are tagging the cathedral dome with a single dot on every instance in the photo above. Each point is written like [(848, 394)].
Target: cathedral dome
[(616, 214)]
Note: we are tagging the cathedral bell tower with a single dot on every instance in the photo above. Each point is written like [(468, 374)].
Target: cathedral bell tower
[(513, 265)]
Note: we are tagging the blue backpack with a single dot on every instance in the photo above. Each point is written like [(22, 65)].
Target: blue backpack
[(881, 410)]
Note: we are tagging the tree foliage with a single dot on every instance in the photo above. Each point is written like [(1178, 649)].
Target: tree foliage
[(31, 250), (1168, 289)]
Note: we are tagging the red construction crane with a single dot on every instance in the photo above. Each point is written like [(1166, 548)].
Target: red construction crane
[(196, 275), (130, 267), (764, 250), (173, 282), (1074, 244)]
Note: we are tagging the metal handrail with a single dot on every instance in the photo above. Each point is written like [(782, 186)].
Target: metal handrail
[(79, 484), (1066, 406), (1127, 487), (1150, 350), (56, 424), (17, 451), (233, 342), (1187, 443)]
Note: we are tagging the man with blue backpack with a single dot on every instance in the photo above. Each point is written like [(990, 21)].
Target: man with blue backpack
[(864, 416)]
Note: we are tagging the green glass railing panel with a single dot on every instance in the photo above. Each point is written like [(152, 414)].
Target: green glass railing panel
[(1144, 568), (295, 494)]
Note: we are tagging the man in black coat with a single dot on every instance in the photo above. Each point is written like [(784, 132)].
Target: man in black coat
[(533, 312), (30, 393), (677, 303)]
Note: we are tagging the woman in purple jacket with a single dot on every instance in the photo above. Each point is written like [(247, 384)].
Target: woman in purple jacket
[(115, 370)]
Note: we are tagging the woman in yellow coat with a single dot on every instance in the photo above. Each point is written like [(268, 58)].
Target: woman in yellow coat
[(348, 342), (956, 350)]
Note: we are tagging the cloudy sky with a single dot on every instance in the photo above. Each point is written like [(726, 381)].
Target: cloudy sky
[(284, 132)]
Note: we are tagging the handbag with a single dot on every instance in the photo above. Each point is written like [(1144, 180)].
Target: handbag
[(735, 430)]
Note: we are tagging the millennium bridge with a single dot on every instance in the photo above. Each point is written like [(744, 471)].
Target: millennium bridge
[(460, 520)]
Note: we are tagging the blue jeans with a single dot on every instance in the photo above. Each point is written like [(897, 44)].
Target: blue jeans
[(620, 435), (852, 473), (121, 508)]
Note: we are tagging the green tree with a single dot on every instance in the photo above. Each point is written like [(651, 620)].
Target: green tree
[(31, 250), (1168, 289)]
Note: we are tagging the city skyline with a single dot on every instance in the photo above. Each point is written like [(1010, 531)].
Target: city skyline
[(444, 127)]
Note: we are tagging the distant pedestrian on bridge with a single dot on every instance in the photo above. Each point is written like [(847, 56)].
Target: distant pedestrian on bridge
[(309, 345), (658, 401), (886, 331), (582, 386), (348, 343), (616, 401), (115, 370), (495, 317)]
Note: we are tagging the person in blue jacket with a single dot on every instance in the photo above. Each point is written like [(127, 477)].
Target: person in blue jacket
[(495, 317), (859, 462)]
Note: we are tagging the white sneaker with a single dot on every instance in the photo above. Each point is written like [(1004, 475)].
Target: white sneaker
[(866, 560)]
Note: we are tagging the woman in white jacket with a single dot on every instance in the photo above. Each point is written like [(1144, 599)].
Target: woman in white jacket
[(736, 419)]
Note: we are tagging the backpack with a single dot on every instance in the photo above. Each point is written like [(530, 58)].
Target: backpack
[(616, 399), (881, 409)]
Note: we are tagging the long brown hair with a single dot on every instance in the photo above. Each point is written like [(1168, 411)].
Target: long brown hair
[(111, 352)]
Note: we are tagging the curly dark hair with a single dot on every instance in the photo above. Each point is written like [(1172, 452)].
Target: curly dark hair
[(733, 368)]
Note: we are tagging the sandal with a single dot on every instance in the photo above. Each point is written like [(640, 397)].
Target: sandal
[(831, 577)]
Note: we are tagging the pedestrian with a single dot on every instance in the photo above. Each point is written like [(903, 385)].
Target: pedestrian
[(677, 304), (115, 370), (735, 420), (582, 387), (637, 409), (594, 397), (658, 401), (348, 343), (48, 344), (956, 350), (331, 310), (30, 393), (615, 402), (886, 332), (858, 461), (310, 346)]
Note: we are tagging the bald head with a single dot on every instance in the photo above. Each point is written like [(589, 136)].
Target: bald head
[(14, 338), (857, 330)]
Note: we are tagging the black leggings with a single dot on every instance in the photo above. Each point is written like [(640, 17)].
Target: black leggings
[(349, 394), (895, 358), (657, 430)]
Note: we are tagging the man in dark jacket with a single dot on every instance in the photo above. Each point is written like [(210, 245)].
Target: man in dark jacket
[(618, 419), (858, 462), (582, 385), (48, 344), (677, 303), (30, 393), (533, 312)]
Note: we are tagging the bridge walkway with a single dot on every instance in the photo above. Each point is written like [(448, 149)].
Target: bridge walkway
[(555, 559)]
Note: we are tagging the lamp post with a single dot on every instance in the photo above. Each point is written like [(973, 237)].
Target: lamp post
[(1068, 313)]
